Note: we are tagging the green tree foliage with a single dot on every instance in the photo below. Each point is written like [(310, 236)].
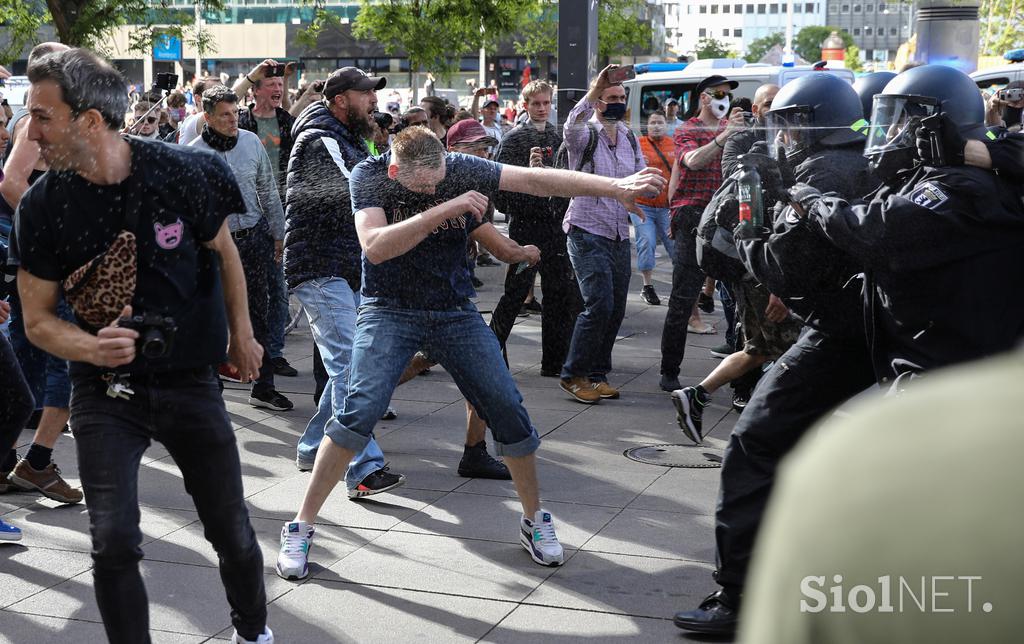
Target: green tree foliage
[(1002, 26), (807, 42), (759, 48), (621, 28), (86, 23), (852, 59), (712, 48)]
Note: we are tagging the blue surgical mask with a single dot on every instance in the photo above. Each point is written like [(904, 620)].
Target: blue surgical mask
[(614, 111)]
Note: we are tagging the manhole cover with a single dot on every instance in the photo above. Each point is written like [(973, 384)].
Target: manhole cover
[(670, 455)]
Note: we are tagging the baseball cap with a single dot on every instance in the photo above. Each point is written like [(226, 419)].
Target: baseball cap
[(671, 101), (351, 78), (713, 81), (469, 131), (490, 102)]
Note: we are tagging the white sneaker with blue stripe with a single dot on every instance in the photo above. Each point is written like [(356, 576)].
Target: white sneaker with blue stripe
[(9, 532), (539, 539), (293, 558)]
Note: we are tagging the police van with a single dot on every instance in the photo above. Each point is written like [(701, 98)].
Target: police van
[(649, 91)]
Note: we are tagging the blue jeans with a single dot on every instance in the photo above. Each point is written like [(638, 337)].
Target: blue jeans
[(277, 313), (386, 339), (602, 268), (47, 375), (184, 411), (649, 233), (330, 306)]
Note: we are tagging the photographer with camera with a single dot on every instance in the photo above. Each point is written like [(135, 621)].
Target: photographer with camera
[(148, 240), (1004, 109), (258, 229), (537, 221)]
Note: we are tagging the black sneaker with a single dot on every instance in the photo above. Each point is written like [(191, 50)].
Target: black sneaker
[(690, 411), (722, 350), (282, 368), (648, 295), (716, 615), (705, 302), (534, 306), (485, 260), (270, 399), (669, 383), (739, 400), (476, 463), (477, 282), (379, 481), (389, 413)]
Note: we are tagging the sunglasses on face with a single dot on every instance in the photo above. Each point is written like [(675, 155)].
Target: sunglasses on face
[(719, 94), (149, 119)]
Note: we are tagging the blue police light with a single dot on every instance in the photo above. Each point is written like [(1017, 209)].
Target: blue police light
[(644, 68), (1015, 55)]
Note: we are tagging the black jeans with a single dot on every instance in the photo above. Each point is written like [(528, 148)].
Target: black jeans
[(254, 246), (185, 412), (562, 301), (16, 403), (816, 375), (687, 280)]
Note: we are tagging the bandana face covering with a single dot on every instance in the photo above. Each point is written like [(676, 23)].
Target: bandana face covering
[(719, 107), (218, 141)]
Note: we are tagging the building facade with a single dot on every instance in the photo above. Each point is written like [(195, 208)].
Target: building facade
[(878, 28)]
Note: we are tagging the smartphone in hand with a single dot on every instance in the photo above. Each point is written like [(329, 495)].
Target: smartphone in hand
[(619, 74)]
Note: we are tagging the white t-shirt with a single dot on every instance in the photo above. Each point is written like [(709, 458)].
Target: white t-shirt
[(191, 128), (493, 130)]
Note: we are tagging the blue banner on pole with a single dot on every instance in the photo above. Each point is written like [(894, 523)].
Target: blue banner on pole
[(166, 47)]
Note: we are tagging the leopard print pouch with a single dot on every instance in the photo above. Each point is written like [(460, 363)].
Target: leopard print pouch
[(100, 289)]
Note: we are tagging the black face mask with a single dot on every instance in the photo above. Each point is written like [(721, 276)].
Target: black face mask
[(614, 111), (888, 166), (218, 141), (1012, 116)]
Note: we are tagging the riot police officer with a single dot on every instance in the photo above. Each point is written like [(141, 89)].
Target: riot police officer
[(868, 85), (940, 246), (808, 129)]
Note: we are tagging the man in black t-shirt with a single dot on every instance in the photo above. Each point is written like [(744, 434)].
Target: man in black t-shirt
[(178, 200), (415, 210)]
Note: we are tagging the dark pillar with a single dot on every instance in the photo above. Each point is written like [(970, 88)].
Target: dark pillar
[(577, 52)]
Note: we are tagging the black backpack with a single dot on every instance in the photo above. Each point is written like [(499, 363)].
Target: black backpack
[(716, 250), (561, 161)]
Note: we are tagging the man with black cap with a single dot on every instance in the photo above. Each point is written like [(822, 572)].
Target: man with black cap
[(696, 175), (672, 120), (322, 254), (488, 114)]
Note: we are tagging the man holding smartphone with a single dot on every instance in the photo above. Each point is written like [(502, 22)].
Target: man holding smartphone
[(536, 221)]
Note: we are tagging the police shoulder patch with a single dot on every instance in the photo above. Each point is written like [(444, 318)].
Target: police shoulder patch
[(929, 195)]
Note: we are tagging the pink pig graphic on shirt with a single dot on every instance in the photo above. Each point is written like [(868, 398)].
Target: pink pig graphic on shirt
[(168, 237)]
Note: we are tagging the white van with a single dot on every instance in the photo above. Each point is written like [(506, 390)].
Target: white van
[(648, 92), (998, 77)]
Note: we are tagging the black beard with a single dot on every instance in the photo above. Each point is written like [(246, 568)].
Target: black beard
[(359, 123)]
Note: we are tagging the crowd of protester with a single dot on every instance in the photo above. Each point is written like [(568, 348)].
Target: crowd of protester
[(878, 218)]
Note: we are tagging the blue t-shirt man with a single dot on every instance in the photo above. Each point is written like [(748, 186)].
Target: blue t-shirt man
[(434, 274)]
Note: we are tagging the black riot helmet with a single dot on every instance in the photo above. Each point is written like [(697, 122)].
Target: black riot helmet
[(911, 97), (870, 84), (812, 112)]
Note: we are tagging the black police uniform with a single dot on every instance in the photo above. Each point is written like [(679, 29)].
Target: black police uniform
[(826, 366), (943, 266)]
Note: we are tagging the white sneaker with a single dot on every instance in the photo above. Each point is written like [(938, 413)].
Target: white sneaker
[(266, 637), (293, 559), (539, 539)]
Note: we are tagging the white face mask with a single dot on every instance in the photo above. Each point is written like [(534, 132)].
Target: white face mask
[(719, 107)]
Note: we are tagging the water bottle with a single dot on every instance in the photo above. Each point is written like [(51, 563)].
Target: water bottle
[(748, 187)]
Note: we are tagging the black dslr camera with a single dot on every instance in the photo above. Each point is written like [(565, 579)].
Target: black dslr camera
[(165, 82), (156, 333)]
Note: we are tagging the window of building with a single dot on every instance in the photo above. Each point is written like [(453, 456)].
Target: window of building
[(833, 8), (726, 8), (844, 8), (798, 8), (702, 32), (761, 8), (737, 33), (856, 8), (737, 8), (869, 8), (714, 8), (868, 30), (810, 7), (773, 8), (725, 33), (750, 8), (856, 31), (893, 31), (881, 7), (703, 8)]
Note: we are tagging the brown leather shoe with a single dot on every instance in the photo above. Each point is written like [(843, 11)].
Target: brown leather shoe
[(581, 389), (47, 481), (605, 390)]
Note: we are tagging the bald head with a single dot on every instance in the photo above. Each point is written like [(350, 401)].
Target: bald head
[(763, 98), (45, 48)]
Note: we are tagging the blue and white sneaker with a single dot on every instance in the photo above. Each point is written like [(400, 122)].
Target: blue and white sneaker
[(293, 559), (539, 539), (266, 637), (9, 532)]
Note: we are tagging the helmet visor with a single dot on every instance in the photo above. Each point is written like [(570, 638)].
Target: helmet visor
[(894, 121), (788, 130)]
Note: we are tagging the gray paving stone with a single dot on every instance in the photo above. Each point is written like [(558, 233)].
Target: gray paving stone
[(640, 586), (496, 519), (26, 570), (17, 628), (321, 611), (690, 491), (183, 599), (442, 565), (650, 533), (562, 626)]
